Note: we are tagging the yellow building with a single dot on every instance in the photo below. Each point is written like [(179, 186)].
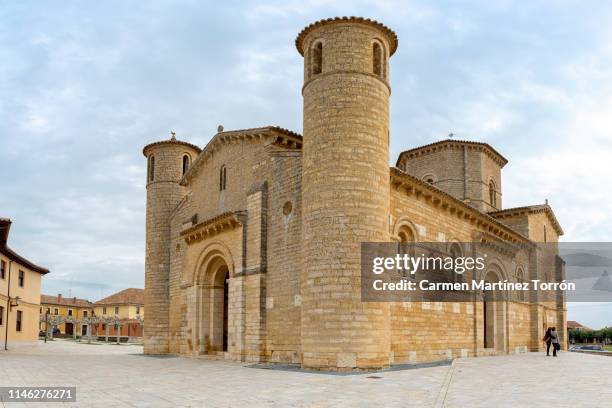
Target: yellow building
[(19, 294), (65, 307), (127, 307)]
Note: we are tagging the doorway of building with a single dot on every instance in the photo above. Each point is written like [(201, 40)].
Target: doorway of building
[(218, 316), (225, 307), (488, 311), (494, 315), (69, 329)]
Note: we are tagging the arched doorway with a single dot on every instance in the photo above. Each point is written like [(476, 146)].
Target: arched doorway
[(225, 310), (213, 304), (494, 315)]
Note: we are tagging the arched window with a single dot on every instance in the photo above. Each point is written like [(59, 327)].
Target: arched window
[(455, 253), (222, 178), (377, 60), (316, 61), (492, 194), (186, 163), (151, 169), (429, 178), (406, 236), (520, 278)]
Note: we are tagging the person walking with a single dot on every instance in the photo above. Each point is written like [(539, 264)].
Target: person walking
[(555, 341), (548, 340)]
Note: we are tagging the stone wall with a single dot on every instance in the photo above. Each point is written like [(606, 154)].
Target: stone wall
[(345, 190), (283, 299), (165, 170)]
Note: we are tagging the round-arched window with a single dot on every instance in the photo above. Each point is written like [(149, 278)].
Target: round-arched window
[(316, 58), (186, 163)]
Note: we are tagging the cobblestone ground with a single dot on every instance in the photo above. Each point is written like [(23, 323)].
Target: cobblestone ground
[(120, 376)]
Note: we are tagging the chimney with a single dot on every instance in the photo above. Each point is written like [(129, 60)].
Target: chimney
[(59, 298), (74, 300)]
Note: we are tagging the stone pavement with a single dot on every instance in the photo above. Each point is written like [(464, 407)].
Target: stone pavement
[(120, 376)]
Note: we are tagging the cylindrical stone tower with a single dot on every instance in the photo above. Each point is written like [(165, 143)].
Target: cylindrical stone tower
[(345, 189), (167, 161)]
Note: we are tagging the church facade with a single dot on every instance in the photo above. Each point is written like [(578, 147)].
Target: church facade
[(253, 242)]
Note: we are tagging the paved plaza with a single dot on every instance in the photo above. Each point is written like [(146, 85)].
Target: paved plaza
[(120, 376)]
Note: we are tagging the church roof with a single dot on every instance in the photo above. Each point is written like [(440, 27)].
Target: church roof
[(299, 41), (172, 140), (269, 134), (452, 144), (530, 209)]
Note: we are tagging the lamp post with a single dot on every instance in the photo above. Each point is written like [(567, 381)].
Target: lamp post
[(15, 302)]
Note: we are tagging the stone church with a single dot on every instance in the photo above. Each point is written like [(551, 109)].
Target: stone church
[(253, 242)]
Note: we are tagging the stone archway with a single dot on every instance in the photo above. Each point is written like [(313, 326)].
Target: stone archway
[(213, 300), (494, 314), (219, 310)]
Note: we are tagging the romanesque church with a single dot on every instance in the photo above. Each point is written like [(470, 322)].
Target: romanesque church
[(253, 241)]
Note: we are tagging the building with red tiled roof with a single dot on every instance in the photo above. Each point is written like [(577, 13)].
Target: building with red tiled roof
[(574, 325), (57, 305), (127, 307)]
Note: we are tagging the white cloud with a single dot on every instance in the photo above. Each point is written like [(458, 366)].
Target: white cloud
[(87, 86)]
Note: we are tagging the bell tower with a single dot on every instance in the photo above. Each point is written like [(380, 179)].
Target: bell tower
[(345, 189), (167, 162)]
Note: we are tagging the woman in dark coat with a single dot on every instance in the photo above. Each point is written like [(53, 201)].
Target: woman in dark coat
[(548, 340)]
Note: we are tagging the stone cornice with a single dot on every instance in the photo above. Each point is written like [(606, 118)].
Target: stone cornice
[(494, 242), (269, 135), (530, 209), (390, 34), (448, 144), (213, 226), (438, 198)]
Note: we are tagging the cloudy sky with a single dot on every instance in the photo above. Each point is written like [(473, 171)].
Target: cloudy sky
[(84, 85)]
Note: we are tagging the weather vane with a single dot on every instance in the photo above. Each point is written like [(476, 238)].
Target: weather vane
[(173, 133)]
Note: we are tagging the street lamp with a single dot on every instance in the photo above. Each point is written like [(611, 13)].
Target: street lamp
[(16, 301)]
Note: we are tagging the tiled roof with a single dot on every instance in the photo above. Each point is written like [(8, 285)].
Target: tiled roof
[(572, 324), (5, 226), (447, 143), (130, 296), (62, 301), (352, 19), (529, 209), (272, 134), (170, 141)]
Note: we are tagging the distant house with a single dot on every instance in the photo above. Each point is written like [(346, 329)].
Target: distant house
[(574, 325), (127, 307), (66, 307)]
